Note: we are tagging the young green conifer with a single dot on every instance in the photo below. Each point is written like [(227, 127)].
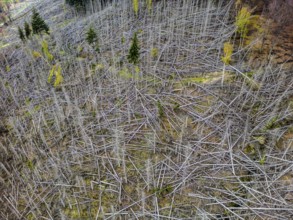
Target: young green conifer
[(27, 30), (133, 55), (38, 24), (21, 34), (92, 38)]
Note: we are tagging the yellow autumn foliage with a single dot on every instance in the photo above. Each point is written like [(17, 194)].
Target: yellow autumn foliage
[(135, 6), (59, 77), (45, 49), (36, 54), (136, 69), (52, 72), (154, 52), (149, 4), (57, 72), (228, 50), (243, 20)]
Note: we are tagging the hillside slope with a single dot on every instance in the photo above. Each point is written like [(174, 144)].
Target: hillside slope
[(178, 136)]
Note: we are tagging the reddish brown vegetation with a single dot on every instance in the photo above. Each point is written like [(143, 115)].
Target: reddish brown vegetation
[(277, 43)]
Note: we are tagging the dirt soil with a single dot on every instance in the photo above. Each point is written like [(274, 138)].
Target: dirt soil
[(276, 47)]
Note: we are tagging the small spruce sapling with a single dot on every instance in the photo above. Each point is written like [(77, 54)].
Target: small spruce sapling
[(122, 40), (38, 24), (21, 34), (27, 30), (133, 55), (160, 109), (92, 38)]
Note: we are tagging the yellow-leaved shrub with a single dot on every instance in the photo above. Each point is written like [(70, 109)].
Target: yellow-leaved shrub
[(57, 72), (52, 72), (45, 49), (59, 77), (149, 4), (243, 20), (135, 6), (36, 54), (228, 50), (154, 52)]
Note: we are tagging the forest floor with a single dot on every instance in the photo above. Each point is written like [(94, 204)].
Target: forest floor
[(178, 136)]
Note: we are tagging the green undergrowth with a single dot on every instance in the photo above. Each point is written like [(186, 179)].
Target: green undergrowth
[(3, 45), (207, 78)]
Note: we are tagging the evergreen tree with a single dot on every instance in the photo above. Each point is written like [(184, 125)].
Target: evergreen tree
[(21, 34), (38, 24), (92, 38), (27, 30), (133, 55)]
